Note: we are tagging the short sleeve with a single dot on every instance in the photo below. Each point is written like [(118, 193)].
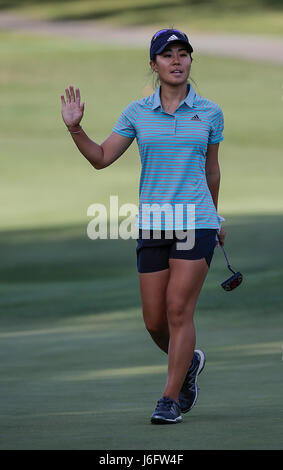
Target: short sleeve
[(126, 123), (217, 126)]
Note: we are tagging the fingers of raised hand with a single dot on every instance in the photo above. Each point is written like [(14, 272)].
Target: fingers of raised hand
[(78, 96), (71, 96), (68, 95)]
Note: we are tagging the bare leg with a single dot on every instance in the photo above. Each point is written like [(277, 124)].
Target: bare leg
[(153, 288), (184, 286)]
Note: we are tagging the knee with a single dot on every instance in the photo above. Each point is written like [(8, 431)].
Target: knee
[(178, 313), (156, 328)]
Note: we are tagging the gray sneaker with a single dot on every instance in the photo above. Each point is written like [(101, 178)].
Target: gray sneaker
[(167, 411), (189, 391)]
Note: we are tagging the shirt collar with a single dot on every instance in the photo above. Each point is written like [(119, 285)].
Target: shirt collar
[(189, 100)]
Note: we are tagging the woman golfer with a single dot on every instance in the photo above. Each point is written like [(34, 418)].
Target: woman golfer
[(178, 134)]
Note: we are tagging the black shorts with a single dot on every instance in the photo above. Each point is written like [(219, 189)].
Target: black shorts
[(153, 254)]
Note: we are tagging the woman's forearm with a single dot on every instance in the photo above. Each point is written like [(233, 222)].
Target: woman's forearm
[(92, 151), (213, 183)]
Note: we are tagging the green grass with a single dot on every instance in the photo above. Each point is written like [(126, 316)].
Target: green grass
[(237, 16), (79, 370)]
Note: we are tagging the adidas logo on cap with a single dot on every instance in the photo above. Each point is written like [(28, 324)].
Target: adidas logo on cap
[(172, 38)]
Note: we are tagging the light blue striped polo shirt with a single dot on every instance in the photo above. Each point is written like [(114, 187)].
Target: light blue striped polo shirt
[(173, 150)]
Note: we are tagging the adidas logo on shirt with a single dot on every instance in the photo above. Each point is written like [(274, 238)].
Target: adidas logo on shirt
[(172, 38), (195, 118)]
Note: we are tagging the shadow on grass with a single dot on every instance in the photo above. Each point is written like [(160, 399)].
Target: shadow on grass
[(61, 272), (63, 254), (56, 272)]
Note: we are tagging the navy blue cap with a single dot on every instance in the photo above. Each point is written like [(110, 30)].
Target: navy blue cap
[(162, 38)]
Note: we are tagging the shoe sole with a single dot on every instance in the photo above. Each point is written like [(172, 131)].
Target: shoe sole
[(160, 420), (200, 368)]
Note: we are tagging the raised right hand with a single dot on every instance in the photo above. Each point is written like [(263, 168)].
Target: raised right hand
[(72, 110)]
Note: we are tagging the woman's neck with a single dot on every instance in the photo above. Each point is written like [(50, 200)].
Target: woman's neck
[(171, 97)]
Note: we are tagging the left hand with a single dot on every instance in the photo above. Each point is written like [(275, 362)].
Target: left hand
[(222, 235)]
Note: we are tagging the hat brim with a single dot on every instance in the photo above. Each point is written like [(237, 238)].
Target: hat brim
[(188, 46)]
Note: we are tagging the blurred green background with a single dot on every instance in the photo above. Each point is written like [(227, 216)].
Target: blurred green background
[(255, 16), (79, 371)]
